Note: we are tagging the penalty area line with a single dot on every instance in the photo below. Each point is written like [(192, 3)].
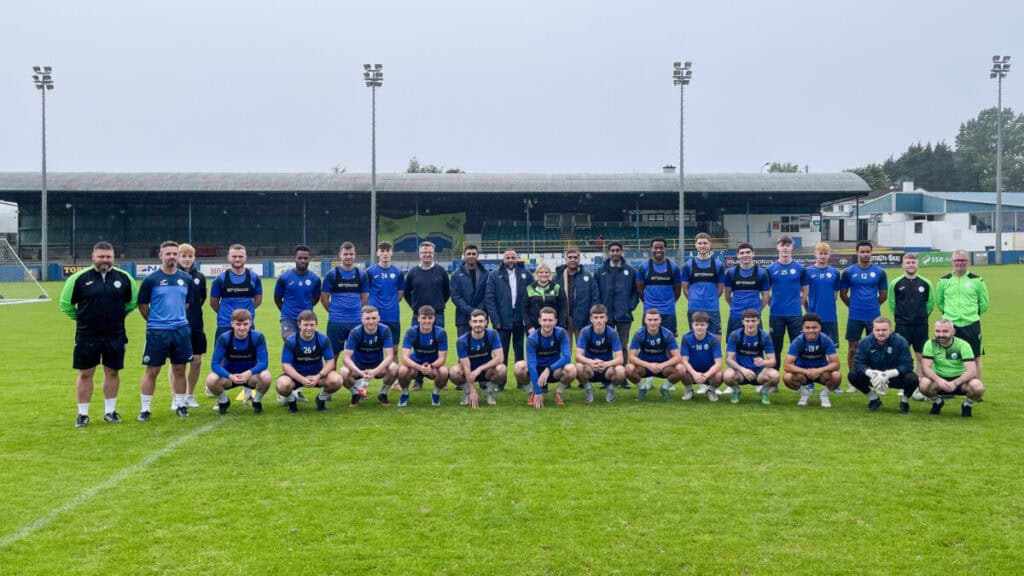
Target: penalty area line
[(107, 484)]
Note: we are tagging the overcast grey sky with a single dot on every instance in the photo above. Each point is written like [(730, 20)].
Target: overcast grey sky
[(526, 86)]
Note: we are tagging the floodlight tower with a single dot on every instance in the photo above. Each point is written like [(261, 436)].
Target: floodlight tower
[(1000, 68), (43, 79), (681, 74), (374, 78)]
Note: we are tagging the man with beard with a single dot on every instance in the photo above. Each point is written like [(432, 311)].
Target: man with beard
[(659, 283), (617, 288), (98, 299), (949, 370), (163, 301), (468, 286), (882, 360), (504, 301), (579, 291)]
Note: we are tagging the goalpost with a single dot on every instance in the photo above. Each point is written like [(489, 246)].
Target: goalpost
[(17, 284)]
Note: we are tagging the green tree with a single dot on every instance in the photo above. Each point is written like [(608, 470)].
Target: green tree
[(415, 167), (874, 175), (975, 155), (784, 167)]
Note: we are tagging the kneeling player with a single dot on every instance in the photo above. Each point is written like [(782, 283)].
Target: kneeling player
[(308, 362), (548, 357), (369, 354), (883, 360), (950, 369), (812, 358), (239, 359), (750, 358), (702, 358), (599, 355), (424, 353), (481, 361), (653, 352)]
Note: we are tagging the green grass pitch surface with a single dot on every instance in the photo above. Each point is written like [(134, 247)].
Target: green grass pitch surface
[(627, 488)]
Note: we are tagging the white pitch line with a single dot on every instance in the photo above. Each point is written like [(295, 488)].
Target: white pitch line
[(107, 484)]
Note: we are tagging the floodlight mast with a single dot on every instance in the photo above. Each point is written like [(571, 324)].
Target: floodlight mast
[(1000, 68), (43, 80), (682, 72), (374, 78)]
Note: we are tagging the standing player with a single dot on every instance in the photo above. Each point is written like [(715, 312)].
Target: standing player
[(789, 295), (427, 284), (812, 358), (823, 287), (962, 297), (659, 284), (307, 362), (949, 369), (599, 355), (369, 354), (343, 297), (747, 287), (238, 287), (548, 357), (653, 352), (883, 360), (239, 359), (424, 354), (617, 288), (504, 301), (750, 358), (163, 300), (385, 287), (296, 290), (912, 302), (481, 360), (703, 282), (186, 262), (469, 286), (98, 299), (702, 357), (863, 287), (579, 292)]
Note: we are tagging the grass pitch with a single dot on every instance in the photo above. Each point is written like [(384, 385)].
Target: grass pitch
[(627, 488)]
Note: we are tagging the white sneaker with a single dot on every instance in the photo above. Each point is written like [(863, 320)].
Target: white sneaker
[(174, 405), (702, 389), (825, 401), (281, 400), (758, 388), (805, 395), (712, 395), (850, 390), (647, 383), (918, 396), (688, 395), (190, 401), (208, 393)]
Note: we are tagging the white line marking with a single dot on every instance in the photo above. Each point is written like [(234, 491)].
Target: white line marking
[(107, 484)]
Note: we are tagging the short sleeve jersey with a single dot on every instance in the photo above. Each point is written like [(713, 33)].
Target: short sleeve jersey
[(948, 362), (864, 285), (659, 281), (307, 357), (701, 354), (747, 348), (346, 288), (598, 346), (382, 287), (478, 352), (746, 287), (787, 282), (653, 347), (812, 353), (299, 291), (703, 276), (425, 347), (368, 349), (823, 284), (166, 295), (236, 292)]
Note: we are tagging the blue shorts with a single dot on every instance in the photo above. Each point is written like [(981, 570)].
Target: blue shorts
[(757, 372), (831, 329), (289, 326), (337, 333), (856, 329), (173, 343)]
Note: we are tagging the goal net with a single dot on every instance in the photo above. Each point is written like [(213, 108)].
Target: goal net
[(17, 284)]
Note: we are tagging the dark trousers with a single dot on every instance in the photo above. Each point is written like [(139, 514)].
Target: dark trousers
[(624, 335), (778, 326), (513, 337), (907, 382)]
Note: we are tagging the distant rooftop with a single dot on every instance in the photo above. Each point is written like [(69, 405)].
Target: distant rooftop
[(839, 183)]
